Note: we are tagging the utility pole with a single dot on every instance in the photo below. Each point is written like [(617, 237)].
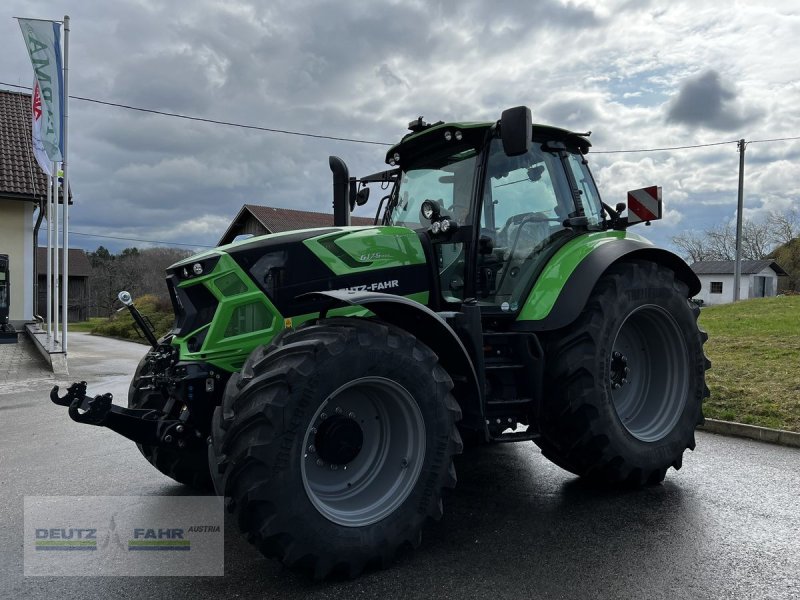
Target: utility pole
[(737, 269)]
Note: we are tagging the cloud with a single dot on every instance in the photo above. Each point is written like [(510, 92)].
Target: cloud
[(635, 73), (388, 77), (706, 101)]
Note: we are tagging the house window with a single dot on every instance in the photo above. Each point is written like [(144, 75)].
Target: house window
[(716, 287)]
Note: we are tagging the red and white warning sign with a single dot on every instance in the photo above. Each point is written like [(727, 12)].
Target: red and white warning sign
[(644, 204)]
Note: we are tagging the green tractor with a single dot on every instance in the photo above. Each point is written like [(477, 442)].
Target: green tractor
[(322, 380)]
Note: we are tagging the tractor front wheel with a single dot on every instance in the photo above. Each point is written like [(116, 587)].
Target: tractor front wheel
[(626, 381), (333, 445), (189, 467)]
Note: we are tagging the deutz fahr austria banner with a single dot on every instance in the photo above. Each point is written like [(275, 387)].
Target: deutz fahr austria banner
[(43, 41)]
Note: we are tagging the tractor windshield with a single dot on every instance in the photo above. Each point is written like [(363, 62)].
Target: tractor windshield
[(444, 179)]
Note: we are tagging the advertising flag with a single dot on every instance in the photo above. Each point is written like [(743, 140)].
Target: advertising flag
[(36, 121), (43, 41)]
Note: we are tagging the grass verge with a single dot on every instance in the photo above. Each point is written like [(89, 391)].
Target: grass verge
[(86, 326), (754, 347)]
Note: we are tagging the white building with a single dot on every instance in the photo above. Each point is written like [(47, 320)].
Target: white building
[(759, 280), (23, 195), (23, 190)]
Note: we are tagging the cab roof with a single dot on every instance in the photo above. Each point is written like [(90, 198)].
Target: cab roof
[(473, 133)]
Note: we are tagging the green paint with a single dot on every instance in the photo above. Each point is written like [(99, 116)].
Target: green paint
[(367, 249), (66, 542), (159, 543), (396, 245), (545, 292), (229, 352), (233, 359)]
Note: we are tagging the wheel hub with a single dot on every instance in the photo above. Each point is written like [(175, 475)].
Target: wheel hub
[(619, 372), (338, 440)]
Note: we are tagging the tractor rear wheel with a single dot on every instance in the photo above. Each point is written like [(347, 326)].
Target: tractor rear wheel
[(626, 381), (334, 443), (189, 467)]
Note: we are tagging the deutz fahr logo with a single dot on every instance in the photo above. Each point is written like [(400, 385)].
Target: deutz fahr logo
[(66, 538), (158, 539), (373, 287)]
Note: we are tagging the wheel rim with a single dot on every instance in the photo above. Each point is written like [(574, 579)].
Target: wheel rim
[(649, 373), (363, 451)]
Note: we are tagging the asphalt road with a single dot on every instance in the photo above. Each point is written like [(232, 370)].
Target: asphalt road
[(726, 526)]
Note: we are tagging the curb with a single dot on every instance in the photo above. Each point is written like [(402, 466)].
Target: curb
[(753, 432), (56, 360)]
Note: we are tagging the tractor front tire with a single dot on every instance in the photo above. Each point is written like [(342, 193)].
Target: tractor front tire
[(625, 382), (189, 467), (334, 443)]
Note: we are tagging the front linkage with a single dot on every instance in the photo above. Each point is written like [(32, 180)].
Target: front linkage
[(181, 418), (143, 426)]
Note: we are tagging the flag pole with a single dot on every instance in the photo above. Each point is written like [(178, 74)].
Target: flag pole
[(55, 253), (49, 258), (65, 291)]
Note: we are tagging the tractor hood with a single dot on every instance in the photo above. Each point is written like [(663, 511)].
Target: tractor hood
[(251, 287)]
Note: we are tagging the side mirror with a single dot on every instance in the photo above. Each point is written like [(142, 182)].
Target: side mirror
[(516, 130), (430, 210), (362, 196)]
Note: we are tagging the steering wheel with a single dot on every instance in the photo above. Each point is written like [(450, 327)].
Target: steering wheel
[(521, 222)]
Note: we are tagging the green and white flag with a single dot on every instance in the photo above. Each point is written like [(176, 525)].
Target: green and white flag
[(43, 41)]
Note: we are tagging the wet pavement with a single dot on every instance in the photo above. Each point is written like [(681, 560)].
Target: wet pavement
[(727, 525)]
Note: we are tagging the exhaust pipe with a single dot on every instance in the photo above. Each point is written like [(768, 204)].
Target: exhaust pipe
[(341, 191)]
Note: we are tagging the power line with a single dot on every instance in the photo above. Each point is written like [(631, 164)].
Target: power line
[(360, 141), (214, 121), (664, 149), (784, 139), (113, 237)]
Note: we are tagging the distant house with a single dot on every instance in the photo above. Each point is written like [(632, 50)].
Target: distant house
[(80, 269), (759, 280), (260, 220)]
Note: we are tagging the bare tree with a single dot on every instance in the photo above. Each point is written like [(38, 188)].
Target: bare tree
[(722, 240), (137, 271), (760, 237), (757, 240), (694, 246), (784, 226)]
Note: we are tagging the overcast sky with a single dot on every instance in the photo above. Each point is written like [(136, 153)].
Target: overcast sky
[(638, 74)]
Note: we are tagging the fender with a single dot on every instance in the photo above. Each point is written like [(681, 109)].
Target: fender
[(579, 285), (432, 330)]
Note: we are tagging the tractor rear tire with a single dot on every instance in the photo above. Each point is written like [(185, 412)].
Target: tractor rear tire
[(189, 467), (334, 443), (625, 382)]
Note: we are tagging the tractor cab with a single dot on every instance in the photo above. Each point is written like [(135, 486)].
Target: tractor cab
[(495, 208)]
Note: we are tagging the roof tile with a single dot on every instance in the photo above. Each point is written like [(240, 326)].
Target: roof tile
[(20, 174), (278, 220)]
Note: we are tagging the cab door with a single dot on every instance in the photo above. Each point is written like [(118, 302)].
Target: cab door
[(525, 201)]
